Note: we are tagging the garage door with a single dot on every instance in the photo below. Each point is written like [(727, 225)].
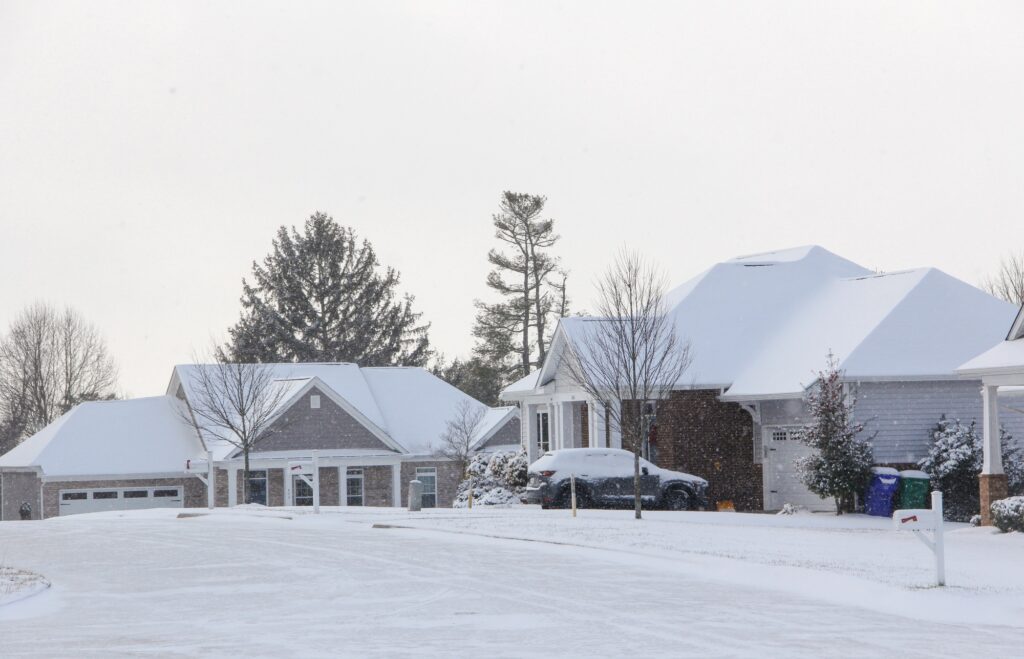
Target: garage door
[(784, 485), (130, 498)]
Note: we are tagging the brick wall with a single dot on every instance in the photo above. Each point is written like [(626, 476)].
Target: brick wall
[(377, 488), (17, 488), (448, 479), (329, 486), (699, 434), (275, 487)]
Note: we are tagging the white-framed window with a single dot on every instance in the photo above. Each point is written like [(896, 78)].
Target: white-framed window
[(314, 402), (354, 486), (543, 433), (257, 490), (428, 476), (302, 492)]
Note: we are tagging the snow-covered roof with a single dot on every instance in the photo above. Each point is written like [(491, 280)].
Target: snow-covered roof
[(1007, 356), (523, 384), (492, 421), (409, 405), (135, 436), (762, 325)]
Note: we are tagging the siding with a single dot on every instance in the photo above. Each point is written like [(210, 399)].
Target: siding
[(330, 427), (509, 434), (903, 414)]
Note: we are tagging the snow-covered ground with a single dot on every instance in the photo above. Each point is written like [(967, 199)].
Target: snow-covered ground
[(508, 582)]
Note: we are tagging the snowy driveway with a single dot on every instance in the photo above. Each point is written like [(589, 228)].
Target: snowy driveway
[(148, 583)]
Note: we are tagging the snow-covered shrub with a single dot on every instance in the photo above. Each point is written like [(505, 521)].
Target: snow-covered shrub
[(1008, 514), (954, 462), (497, 479), (841, 464), (791, 509), (976, 520)]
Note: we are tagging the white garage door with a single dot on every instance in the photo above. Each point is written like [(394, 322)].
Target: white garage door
[(129, 498), (784, 484)]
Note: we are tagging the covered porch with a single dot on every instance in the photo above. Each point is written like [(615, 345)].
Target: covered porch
[(1001, 367)]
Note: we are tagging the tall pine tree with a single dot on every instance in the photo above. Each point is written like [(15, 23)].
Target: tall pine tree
[(321, 295), (512, 334)]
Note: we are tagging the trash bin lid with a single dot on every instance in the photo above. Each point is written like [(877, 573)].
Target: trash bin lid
[(884, 471), (914, 473)]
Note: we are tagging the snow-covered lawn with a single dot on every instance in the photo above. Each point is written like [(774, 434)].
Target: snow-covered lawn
[(505, 582)]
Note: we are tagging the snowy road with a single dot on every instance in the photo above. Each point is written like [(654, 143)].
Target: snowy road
[(151, 584)]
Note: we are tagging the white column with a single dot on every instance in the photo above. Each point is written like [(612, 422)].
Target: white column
[(287, 485), (595, 412), (343, 485), (616, 436), (396, 485), (316, 482), (993, 453), (530, 431), (555, 425), (211, 481), (232, 486), (565, 425)]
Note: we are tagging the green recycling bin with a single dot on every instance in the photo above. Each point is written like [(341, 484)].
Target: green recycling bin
[(914, 487)]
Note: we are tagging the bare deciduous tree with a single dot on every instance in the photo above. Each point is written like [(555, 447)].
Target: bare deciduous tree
[(235, 403), (1008, 281), (630, 353), (460, 431), (50, 361)]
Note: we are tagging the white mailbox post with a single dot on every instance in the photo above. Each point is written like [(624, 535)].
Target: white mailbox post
[(921, 520)]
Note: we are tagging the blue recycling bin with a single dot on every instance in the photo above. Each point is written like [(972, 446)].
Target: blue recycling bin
[(881, 494)]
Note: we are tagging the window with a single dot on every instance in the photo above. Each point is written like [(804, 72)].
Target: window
[(314, 402), (257, 487), (135, 494), (73, 496), (428, 476), (104, 495), (779, 435), (543, 433), (301, 491), (354, 487), (165, 493)]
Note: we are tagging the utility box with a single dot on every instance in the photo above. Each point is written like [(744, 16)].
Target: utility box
[(415, 496)]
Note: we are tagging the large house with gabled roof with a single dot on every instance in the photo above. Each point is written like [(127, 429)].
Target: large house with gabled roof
[(372, 431), (760, 328)]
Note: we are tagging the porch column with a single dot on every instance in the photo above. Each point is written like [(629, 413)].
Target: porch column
[(396, 486), (287, 486), (232, 486), (566, 426), (530, 430), (595, 417), (616, 437), (343, 485), (992, 481)]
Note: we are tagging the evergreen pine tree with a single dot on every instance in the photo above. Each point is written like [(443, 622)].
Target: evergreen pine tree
[(321, 295), (512, 334), (841, 465), (954, 461)]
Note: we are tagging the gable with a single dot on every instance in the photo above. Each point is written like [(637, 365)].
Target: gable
[(510, 433), (329, 427)]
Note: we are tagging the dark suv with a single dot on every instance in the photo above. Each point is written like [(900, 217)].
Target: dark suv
[(604, 479)]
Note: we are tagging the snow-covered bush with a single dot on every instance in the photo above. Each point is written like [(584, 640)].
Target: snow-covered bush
[(841, 464), (497, 479), (1008, 514), (954, 462), (975, 521), (791, 509)]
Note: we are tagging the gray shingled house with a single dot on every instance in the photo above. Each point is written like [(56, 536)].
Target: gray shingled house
[(372, 431)]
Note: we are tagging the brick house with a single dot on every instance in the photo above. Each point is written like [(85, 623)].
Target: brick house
[(372, 431), (760, 328)]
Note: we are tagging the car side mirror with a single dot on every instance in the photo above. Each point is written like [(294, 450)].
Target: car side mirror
[(643, 470)]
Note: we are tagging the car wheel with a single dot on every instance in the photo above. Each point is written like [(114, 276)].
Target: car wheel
[(677, 499)]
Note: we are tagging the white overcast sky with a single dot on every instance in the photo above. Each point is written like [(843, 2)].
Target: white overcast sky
[(148, 151)]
